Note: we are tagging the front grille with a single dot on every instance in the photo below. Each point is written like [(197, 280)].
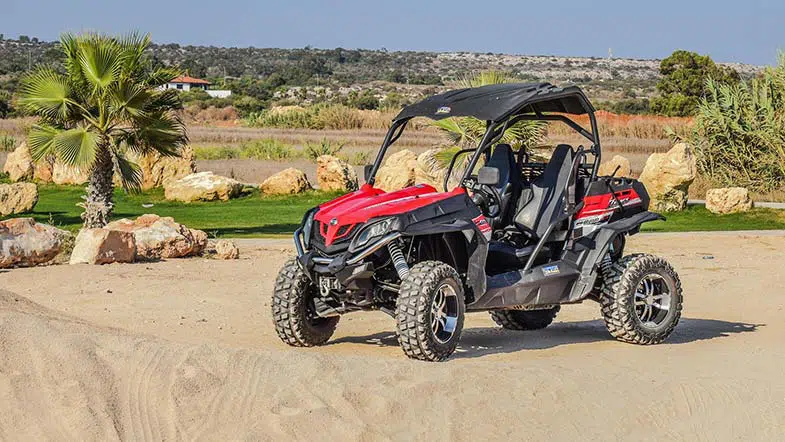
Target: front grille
[(341, 243)]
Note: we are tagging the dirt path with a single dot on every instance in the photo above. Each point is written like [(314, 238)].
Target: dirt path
[(184, 349)]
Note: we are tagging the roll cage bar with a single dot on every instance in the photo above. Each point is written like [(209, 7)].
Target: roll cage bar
[(493, 132)]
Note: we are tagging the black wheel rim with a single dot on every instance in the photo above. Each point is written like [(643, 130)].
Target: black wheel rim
[(444, 313), (652, 300)]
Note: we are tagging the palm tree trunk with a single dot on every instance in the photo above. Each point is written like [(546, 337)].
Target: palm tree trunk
[(98, 201)]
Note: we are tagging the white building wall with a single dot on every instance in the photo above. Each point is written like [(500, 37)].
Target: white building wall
[(218, 93)]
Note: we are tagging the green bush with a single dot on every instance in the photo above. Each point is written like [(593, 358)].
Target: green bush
[(267, 149), (325, 147), (216, 153), (739, 133)]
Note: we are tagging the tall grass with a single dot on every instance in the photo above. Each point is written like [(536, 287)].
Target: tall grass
[(320, 116), (628, 126), (739, 133), (7, 143)]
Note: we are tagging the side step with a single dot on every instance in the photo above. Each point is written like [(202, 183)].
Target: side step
[(545, 284)]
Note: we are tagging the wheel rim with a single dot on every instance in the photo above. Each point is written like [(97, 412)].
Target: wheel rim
[(652, 300), (444, 313)]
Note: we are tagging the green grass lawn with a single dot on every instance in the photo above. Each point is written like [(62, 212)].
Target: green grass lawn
[(257, 216), (248, 216)]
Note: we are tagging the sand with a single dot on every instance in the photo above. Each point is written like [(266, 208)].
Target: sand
[(185, 349)]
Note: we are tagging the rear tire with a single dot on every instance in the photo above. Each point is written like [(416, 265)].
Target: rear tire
[(427, 331), (292, 307), (525, 319), (641, 299)]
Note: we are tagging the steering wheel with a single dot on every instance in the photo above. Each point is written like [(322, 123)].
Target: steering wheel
[(486, 197)]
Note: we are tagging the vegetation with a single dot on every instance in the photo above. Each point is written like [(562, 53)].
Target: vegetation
[(682, 85), (255, 216), (740, 131), (105, 105), (251, 215)]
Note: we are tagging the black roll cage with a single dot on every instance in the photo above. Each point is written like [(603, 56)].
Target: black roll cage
[(493, 132)]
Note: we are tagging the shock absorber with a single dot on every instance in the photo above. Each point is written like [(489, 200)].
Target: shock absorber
[(398, 260)]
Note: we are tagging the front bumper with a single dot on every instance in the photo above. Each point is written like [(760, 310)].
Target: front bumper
[(351, 268)]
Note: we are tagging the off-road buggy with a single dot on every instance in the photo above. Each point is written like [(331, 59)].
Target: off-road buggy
[(518, 238)]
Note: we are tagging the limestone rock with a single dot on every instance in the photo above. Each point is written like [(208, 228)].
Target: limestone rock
[(335, 174), (398, 171), (608, 167), (69, 175), (17, 198), (158, 170), (429, 170), (24, 243), (19, 164), (286, 182), (161, 237), (222, 249), (728, 200), (202, 186), (102, 246), (667, 177)]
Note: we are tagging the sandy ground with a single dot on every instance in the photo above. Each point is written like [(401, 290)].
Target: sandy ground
[(185, 349)]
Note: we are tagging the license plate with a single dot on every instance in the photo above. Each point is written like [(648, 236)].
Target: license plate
[(328, 283)]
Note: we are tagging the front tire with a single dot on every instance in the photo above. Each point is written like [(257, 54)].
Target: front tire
[(292, 306), (641, 299), (430, 311), (525, 319)]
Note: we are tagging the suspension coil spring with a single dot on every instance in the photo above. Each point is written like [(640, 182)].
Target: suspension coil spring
[(398, 260)]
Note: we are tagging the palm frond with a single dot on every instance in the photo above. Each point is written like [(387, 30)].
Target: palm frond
[(129, 172), (75, 147), (46, 93), (101, 61), (41, 140)]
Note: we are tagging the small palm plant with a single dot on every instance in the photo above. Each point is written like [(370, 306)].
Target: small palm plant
[(106, 103), (468, 131)]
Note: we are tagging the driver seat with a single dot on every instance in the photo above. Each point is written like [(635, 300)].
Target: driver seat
[(544, 201), (509, 186)]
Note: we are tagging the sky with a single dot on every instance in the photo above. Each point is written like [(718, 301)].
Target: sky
[(750, 31)]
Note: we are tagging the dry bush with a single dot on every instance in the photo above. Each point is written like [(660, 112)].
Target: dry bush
[(628, 126)]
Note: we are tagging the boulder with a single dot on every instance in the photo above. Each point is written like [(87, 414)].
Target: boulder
[(19, 164), (608, 167), (728, 200), (158, 170), (286, 182), (222, 249), (161, 237), (335, 174), (202, 186), (69, 175), (398, 171), (667, 177), (24, 242), (44, 170), (429, 170), (17, 198), (102, 246)]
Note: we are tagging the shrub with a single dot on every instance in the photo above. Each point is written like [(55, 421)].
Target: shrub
[(267, 149), (216, 153), (325, 147), (739, 134), (338, 116)]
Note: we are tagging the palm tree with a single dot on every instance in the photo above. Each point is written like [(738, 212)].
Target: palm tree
[(104, 103), (468, 131)]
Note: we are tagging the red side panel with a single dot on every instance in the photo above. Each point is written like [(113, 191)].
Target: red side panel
[(599, 208), (339, 216)]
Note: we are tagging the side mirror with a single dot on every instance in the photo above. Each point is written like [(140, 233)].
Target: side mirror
[(367, 171), (489, 176)]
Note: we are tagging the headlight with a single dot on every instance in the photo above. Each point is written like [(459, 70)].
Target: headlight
[(372, 231)]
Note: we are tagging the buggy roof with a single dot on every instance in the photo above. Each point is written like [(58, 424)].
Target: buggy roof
[(496, 102)]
